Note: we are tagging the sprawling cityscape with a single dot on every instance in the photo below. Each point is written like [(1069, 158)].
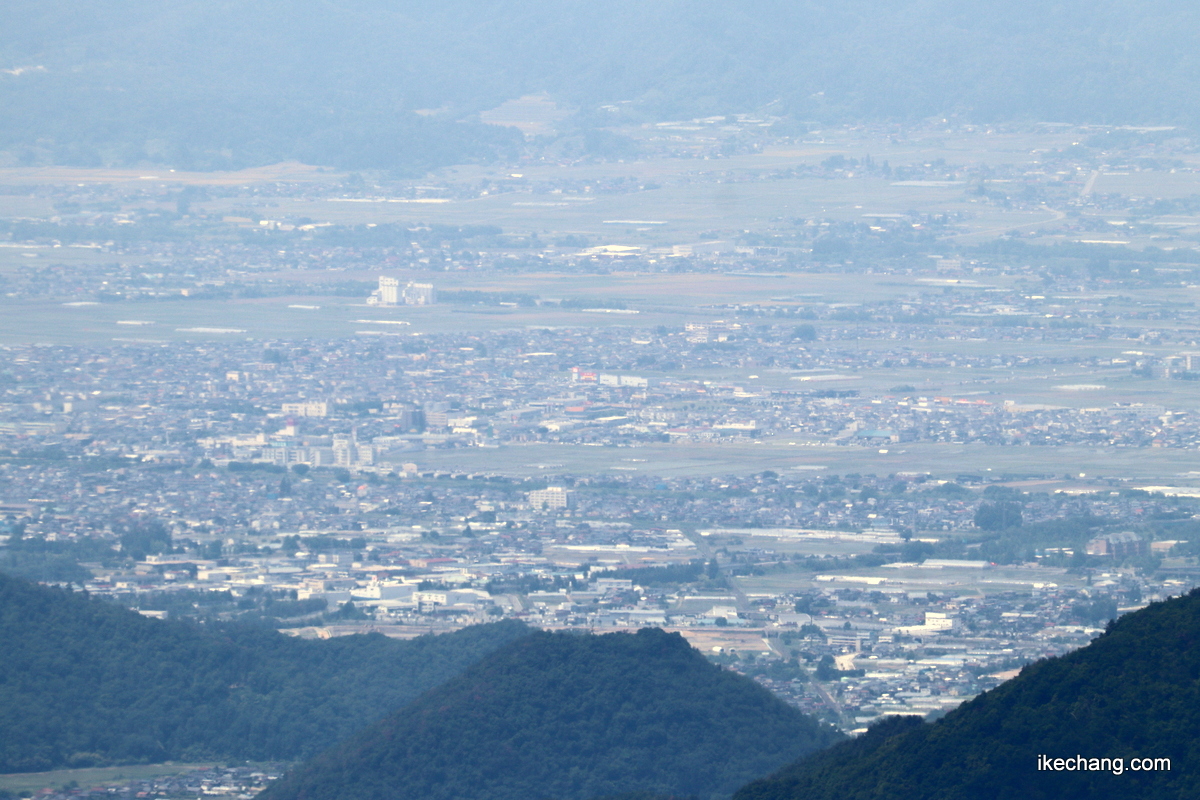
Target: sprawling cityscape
[(626, 401), (815, 475), (875, 474)]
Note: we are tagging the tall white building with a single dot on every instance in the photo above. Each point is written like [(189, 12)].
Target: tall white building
[(348, 451), (389, 291), (419, 294), (343, 449)]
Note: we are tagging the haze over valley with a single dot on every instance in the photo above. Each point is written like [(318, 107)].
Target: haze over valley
[(495, 375)]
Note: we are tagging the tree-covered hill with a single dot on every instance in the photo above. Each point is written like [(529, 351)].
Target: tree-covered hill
[(1133, 693), (84, 681), (203, 84), (570, 717)]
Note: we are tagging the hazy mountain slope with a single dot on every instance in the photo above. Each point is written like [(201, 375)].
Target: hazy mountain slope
[(85, 681), (232, 82), (568, 716), (1132, 693)]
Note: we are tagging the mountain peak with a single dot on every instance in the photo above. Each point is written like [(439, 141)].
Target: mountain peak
[(569, 716)]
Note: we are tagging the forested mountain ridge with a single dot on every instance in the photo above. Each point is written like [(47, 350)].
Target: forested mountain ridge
[(224, 84), (84, 681), (571, 717), (1132, 693)]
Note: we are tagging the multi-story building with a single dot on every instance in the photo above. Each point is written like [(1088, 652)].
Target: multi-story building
[(389, 291), (1119, 545), (418, 294), (552, 497), (308, 409), (343, 449)]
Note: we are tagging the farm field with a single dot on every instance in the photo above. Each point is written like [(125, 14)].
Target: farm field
[(943, 580), (775, 453), (94, 776)]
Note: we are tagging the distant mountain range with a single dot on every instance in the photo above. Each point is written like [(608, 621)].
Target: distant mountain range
[(398, 85), (1131, 695), (85, 682), (570, 717)]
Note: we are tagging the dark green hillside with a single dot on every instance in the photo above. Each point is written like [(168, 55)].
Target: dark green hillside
[(84, 681), (1132, 693), (570, 717)]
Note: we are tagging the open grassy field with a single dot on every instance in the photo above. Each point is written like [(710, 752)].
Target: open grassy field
[(680, 212), (686, 195), (96, 776), (776, 453), (950, 580), (747, 191), (289, 171), (1170, 184), (661, 299)]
